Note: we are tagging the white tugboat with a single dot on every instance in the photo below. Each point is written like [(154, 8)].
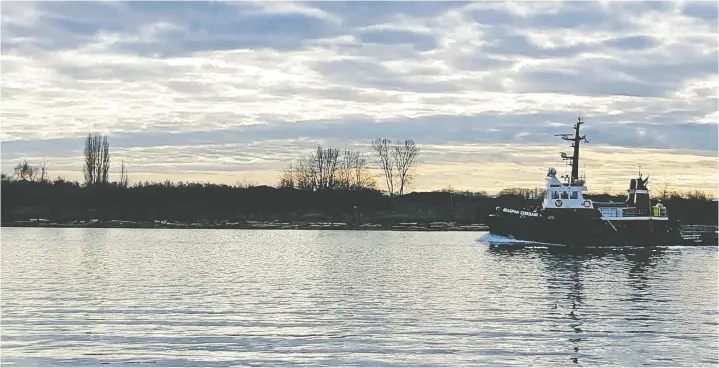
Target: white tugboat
[(565, 217)]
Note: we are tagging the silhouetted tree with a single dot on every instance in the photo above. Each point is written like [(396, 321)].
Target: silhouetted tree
[(327, 168), (244, 184), (665, 193), (697, 195), (383, 159), (25, 171), (396, 161), (97, 159), (326, 164), (43, 171), (287, 178), (318, 171), (526, 193), (124, 180), (404, 156), (354, 172)]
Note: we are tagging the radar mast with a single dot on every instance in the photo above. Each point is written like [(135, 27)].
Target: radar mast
[(574, 159)]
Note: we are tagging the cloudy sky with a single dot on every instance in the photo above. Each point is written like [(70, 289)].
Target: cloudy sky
[(233, 91)]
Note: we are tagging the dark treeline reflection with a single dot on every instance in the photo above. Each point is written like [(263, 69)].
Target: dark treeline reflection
[(62, 200)]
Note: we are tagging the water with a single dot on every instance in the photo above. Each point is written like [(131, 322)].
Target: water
[(126, 297)]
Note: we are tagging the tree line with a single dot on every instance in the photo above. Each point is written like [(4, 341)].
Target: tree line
[(64, 201), (323, 169), (327, 183), (329, 168), (95, 169), (27, 172)]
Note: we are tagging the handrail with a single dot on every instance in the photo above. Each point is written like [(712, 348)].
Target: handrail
[(631, 212)]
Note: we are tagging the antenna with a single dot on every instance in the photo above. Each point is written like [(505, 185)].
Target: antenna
[(640, 171)]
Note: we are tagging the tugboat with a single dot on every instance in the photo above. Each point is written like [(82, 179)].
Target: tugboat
[(565, 217)]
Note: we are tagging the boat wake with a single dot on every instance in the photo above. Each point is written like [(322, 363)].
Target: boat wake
[(498, 239), (494, 240)]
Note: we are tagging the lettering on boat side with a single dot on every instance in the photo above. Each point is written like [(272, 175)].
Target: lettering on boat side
[(517, 212)]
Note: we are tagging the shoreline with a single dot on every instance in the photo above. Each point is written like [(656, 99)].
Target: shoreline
[(707, 234), (704, 234), (251, 225)]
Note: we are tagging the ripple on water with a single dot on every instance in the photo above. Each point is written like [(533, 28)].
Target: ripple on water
[(122, 297)]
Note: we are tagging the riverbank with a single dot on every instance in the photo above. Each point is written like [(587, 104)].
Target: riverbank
[(157, 224), (188, 206)]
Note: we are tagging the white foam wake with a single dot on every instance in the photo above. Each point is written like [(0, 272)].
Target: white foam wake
[(498, 239)]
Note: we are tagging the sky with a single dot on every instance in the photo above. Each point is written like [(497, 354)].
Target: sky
[(230, 92)]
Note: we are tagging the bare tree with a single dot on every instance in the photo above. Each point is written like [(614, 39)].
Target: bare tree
[(287, 178), (104, 161), (665, 193), (397, 162), (97, 159), (25, 171), (304, 175), (353, 172), (325, 164), (43, 171), (320, 170), (245, 184), (345, 173), (362, 177), (697, 195), (404, 156), (328, 168), (383, 159), (90, 153), (124, 180)]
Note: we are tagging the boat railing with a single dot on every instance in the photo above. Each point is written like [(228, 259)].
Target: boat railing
[(624, 212), (609, 204), (614, 209)]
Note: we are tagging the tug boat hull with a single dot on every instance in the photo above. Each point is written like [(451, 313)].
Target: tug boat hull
[(584, 229)]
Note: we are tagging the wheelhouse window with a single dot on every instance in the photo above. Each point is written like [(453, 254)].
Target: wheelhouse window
[(574, 195), (555, 195), (565, 195)]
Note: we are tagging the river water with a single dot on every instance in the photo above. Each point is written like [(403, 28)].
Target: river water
[(126, 297)]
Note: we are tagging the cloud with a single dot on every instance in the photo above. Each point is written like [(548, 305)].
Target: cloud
[(705, 10), (287, 7), (392, 37), (261, 82), (632, 43), (357, 14)]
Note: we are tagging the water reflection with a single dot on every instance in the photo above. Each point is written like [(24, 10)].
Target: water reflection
[(566, 268)]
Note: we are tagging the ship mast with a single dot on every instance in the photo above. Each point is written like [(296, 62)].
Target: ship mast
[(574, 159)]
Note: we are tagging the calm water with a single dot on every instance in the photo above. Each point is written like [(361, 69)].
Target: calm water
[(236, 297)]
